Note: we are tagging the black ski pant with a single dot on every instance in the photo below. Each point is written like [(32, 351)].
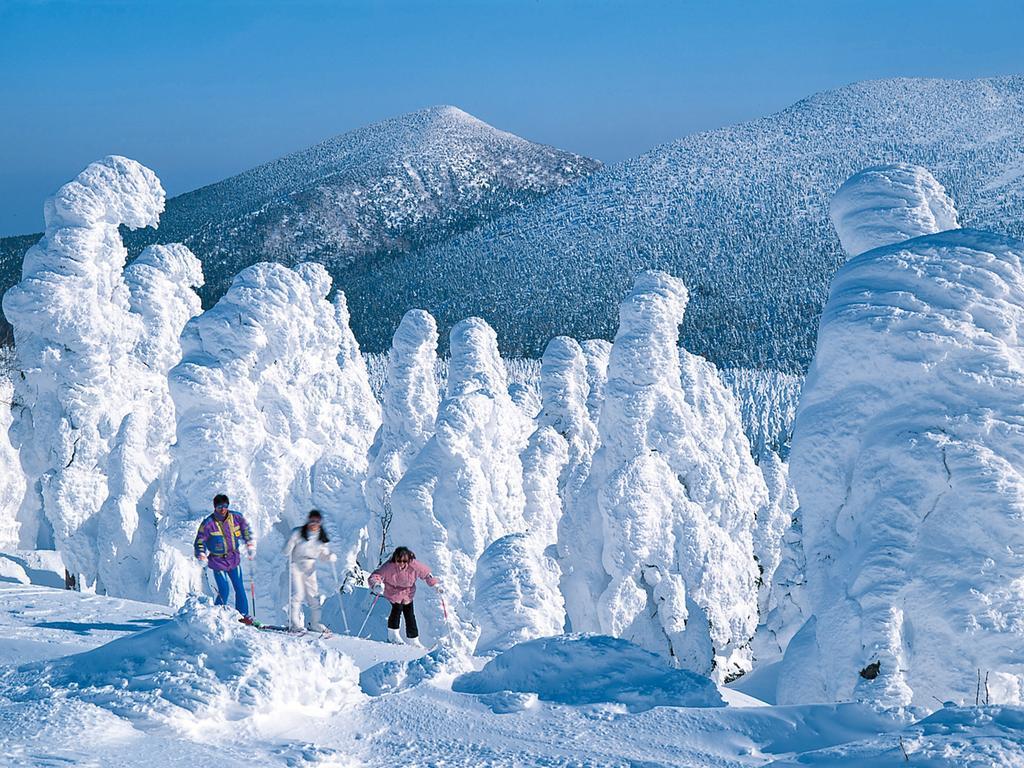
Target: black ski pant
[(395, 618)]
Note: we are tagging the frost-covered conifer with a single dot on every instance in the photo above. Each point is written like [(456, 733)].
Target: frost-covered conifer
[(665, 556), (517, 598), (410, 408), (465, 487), (597, 352), (161, 283), (907, 455), (13, 532), (75, 335), (274, 408)]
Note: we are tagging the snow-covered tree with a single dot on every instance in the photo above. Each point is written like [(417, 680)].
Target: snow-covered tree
[(75, 334), (564, 392), (777, 547), (161, 283), (12, 480), (517, 598), (464, 489), (660, 549), (544, 461), (597, 352), (907, 456), (274, 409), (410, 408)]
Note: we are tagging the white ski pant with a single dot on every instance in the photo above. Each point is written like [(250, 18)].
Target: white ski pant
[(304, 589)]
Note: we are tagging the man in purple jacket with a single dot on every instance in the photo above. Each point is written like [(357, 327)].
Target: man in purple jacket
[(217, 545)]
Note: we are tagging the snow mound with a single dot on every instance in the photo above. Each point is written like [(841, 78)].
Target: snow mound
[(889, 204), (201, 673), (591, 669), (394, 676), (907, 458)]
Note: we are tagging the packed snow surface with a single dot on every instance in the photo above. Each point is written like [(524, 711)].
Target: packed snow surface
[(110, 716), (907, 456)]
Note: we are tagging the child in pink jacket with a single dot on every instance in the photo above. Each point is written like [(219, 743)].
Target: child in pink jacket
[(396, 580)]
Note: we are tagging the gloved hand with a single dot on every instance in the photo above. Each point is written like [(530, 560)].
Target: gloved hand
[(378, 588), (347, 588), (202, 559), (332, 558), (252, 551)]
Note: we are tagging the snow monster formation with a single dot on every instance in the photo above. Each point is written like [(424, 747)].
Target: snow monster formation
[(658, 548), (274, 409), (92, 351), (162, 285), (410, 405), (907, 457), (464, 489)]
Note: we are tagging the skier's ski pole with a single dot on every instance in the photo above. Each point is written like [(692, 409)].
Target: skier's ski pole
[(447, 623), (372, 606), (252, 585), (341, 595)]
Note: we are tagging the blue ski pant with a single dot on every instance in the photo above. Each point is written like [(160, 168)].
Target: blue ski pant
[(235, 575)]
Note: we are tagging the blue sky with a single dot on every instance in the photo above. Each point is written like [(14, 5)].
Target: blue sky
[(201, 90)]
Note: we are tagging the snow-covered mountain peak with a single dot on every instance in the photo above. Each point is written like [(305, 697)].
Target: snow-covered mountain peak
[(888, 204)]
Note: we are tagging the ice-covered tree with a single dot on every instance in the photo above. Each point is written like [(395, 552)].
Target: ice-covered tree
[(564, 392), (273, 408), (13, 531), (409, 410), (517, 597), (75, 333), (777, 547), (597, 352), (544, 461), (907, 456), (464, 489), (660, 549), (161, 284)]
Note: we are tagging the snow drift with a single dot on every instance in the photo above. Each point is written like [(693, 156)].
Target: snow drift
[(658, 548), (202, 673), (907, 458), (590, 669)]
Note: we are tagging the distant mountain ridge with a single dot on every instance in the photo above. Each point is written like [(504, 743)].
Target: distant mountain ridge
[(438, 210), (367, 195), (370, 194), (740, 213)]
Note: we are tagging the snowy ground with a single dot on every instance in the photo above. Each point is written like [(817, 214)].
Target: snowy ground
[(132, 723)]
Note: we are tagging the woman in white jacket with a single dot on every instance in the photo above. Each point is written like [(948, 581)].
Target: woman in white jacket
[(306, 545)]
